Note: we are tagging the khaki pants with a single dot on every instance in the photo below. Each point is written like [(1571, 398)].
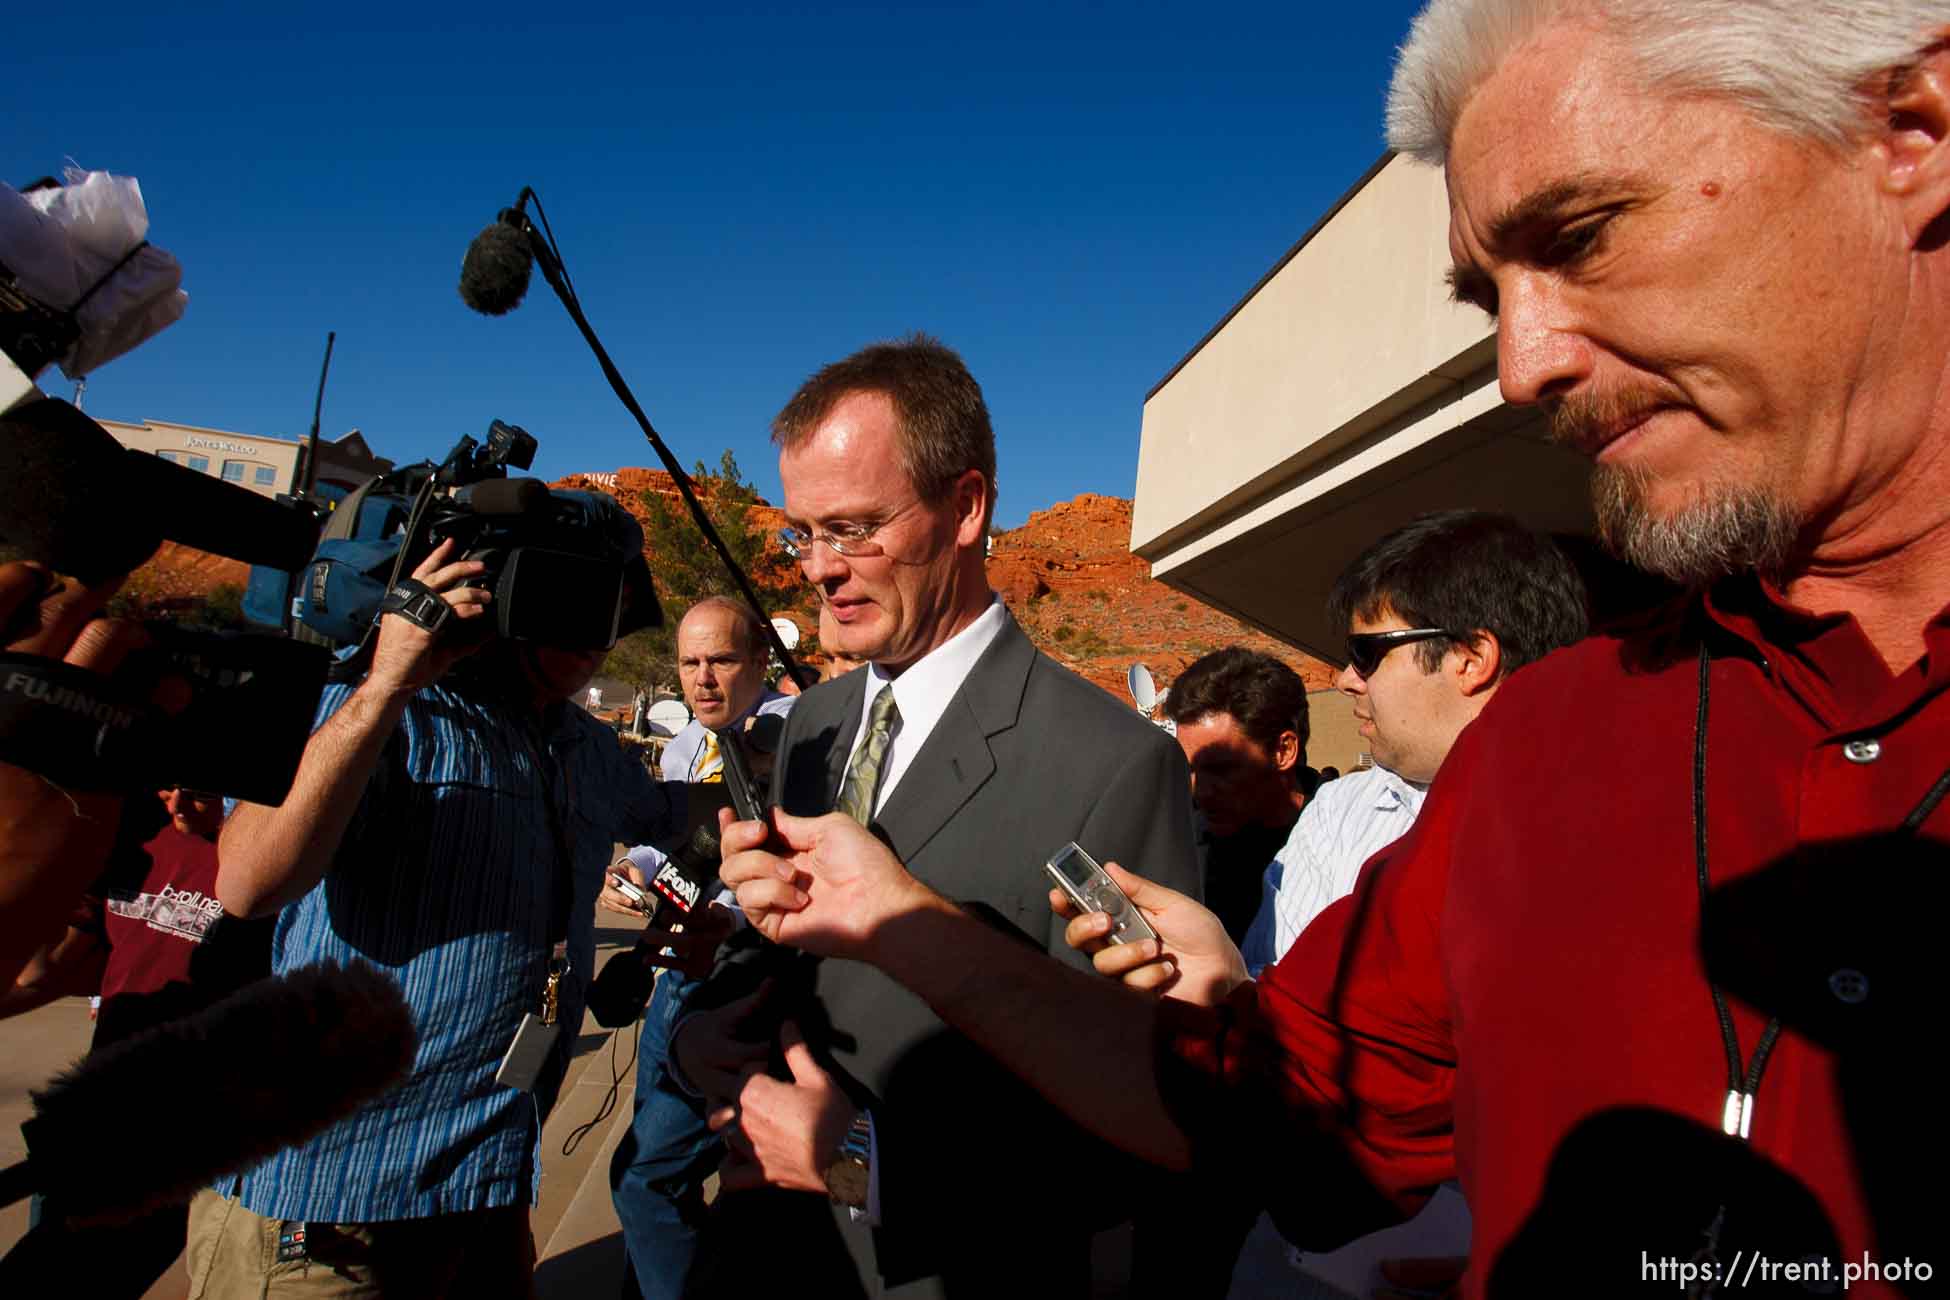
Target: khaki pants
[(478, 1254)]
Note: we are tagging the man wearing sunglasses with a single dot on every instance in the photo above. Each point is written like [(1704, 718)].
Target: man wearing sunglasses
[(1439, 613)]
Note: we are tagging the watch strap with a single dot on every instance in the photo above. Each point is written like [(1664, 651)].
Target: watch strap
[(848, 1176)]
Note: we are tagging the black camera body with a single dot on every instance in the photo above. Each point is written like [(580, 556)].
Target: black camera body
[(555, 561), (549, 584)]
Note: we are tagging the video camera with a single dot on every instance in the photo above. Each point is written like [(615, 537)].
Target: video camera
[(565, 568)]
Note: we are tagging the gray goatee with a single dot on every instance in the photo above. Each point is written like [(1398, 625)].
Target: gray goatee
[(1723, 530)]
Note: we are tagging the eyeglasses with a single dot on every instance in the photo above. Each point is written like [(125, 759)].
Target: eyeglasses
[(1366, 650), (855, 541)]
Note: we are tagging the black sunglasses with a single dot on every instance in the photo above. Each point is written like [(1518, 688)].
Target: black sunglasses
[(1366, 650)]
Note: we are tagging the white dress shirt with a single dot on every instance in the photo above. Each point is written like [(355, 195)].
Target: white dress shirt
[(922, 693), (1348, 821)]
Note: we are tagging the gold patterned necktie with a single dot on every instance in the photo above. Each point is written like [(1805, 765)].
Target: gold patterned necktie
[(863, 777), (710, 763)]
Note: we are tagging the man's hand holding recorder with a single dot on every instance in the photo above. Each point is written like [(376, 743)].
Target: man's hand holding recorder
[(825, 885), (828, 886)]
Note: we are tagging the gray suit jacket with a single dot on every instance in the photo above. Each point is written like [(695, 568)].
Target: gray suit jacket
[(974, 1169)]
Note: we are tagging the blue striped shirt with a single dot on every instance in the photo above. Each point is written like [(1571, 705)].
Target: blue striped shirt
[(445, 879)]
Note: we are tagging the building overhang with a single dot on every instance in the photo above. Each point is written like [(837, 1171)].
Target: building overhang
[(1344, 395)]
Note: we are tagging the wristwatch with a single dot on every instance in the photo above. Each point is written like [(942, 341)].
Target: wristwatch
[(848, 1175)]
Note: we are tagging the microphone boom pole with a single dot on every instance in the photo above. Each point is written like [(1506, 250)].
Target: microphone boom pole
[(553, 271)]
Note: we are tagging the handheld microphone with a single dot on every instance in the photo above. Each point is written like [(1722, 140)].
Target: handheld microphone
[(268, 1067), (685, 874), (622, 988)]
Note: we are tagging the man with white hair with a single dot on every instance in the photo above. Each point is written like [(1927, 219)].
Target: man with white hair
[(1654, 945)]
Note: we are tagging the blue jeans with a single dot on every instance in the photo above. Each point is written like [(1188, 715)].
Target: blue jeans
[(657, 1175)]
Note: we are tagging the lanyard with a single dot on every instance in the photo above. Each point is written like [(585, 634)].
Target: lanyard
[(1743, 1083)]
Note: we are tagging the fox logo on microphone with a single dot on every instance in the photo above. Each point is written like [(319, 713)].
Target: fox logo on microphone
[(673, 884)]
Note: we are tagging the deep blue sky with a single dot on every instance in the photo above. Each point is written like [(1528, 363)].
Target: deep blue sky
[(1071, 195)]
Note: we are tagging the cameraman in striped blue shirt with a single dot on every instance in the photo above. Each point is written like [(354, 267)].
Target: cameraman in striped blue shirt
[(450, 825)]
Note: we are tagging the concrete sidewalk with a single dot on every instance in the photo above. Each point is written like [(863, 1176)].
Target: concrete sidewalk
[(576, 1233)]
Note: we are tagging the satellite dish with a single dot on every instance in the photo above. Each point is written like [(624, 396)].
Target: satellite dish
[(788, 631), (668, 717), (1159, 703), (1144, 690)]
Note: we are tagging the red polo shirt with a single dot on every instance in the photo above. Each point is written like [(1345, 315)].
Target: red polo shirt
[(1515, 994)]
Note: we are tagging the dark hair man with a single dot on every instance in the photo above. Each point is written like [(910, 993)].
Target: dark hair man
[(1614, 976), (657, 1174), (1241, 720), (976, 758), (454, 832), (1438, 613), (1471, 597)]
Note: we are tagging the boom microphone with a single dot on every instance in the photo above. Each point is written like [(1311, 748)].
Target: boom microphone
[(494, 274), (268, 1067), (74, 498), (494, 279), (503, 496)]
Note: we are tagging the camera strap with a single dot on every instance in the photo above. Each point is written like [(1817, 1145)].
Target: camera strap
[(70, 725)]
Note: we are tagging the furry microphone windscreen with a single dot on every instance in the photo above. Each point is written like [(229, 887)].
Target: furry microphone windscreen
[(494, 274), (269, 1067)]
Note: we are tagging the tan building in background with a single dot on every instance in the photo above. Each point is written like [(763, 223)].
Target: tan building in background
[(267, 466), (1333, 736), (1343, 395)]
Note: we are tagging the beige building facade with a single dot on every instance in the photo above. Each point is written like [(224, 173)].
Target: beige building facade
[(267, 466), (1343, 395)]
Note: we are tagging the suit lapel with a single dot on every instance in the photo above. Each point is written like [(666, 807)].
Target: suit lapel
[(822, 726), (956, 761), (844, 731), (947, 772)]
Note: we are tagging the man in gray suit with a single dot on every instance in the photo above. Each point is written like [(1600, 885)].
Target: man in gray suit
[(975, 758)]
